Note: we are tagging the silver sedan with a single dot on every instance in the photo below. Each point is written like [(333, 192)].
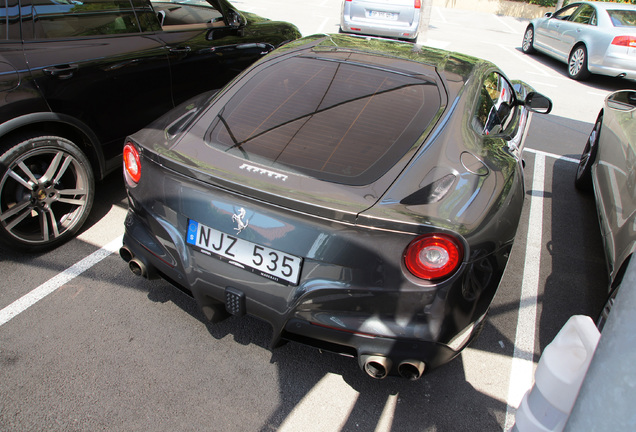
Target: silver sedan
[(608, 167), (399, 19), (591, 37)]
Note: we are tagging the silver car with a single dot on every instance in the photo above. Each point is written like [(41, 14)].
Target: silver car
[(608, 166), (399, 19), (591, 37)]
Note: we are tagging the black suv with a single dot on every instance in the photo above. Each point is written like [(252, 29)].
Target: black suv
[(77, 76)]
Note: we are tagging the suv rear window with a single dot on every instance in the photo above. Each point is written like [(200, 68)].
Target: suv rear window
[(331, 119)]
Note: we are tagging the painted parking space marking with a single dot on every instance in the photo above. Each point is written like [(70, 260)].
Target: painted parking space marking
[(50, 286), (504, 23), (440, 16), (538, 67), (522, 371), (552, 156), (522, 363)]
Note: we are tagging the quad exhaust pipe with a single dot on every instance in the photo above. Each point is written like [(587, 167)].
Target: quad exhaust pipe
[(136, 266), (126, 254), (411, 369), (379, 367)]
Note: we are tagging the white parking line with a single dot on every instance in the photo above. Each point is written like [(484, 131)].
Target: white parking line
[(440, 16), (48, 287), (522, 362), (540, 69), (522, 371), (505, 24), (323, 26), (552, 155)]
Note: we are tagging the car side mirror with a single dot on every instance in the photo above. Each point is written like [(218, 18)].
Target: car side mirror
[(234, 20), (536, 102), (548, 15), (623, 100)]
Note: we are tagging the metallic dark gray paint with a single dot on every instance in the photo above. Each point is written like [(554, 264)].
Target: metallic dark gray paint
[(355, 296)]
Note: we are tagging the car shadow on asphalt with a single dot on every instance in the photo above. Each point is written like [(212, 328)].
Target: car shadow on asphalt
[(302, 371), (578, 282), (599, 82)]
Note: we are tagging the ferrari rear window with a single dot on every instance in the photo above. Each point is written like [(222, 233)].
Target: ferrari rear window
[(328, 118)]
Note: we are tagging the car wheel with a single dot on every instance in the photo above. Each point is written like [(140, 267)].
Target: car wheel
[(46, 192), (607, 308), (527, 46), (583, 180), (577, 63)]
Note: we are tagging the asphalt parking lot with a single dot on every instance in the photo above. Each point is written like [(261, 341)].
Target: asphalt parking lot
[(85, 345)]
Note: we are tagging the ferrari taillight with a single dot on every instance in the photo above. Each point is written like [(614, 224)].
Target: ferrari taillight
[(132, 164), (433, 256), (627, 41)]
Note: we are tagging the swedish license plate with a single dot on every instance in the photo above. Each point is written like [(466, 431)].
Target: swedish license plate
[(383, 15), (269, 263)]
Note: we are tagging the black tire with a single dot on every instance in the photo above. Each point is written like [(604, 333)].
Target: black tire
[(527, 45), (577, 63), (46, 191), (583, 180), (607, 308)]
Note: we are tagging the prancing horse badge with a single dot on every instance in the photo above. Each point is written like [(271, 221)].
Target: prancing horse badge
[(239, 219)]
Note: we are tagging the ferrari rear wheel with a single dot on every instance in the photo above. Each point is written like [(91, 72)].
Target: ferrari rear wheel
[(46, 191), (583, 180), (577, 63)]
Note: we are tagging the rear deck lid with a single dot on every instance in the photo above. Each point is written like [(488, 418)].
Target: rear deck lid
[(324, 132)]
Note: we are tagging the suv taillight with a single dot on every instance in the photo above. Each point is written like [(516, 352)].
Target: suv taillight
[(132, 164), (418, 4), (628, 41), (433, 256)]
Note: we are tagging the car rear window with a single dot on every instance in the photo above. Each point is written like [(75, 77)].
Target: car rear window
[(327, 118), (623, 18)]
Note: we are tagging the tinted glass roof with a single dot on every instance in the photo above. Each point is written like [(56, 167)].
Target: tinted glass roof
[(329, 118)]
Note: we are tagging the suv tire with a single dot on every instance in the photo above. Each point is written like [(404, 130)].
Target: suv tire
[(46, 191)]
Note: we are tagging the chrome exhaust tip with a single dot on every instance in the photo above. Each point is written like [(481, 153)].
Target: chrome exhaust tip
[(138, 268), (377, 367), (125, 254), (411, 369)]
